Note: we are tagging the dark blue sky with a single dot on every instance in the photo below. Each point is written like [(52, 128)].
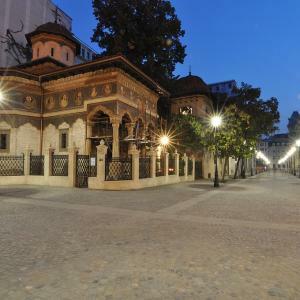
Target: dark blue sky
[(253, 41)]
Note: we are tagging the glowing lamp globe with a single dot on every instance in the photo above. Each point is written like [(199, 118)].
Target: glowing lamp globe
[(298, 143), (164, 140), (1, 96), (216, 121)]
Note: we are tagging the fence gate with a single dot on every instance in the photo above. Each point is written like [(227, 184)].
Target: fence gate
[(82, 170)]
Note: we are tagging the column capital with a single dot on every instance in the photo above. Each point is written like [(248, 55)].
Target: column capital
[(133, 150), (115, 121), (130, 125)]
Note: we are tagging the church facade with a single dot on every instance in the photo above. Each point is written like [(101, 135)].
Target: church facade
[(104, 106)]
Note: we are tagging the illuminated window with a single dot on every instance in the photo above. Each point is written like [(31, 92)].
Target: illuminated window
[(63, 140), (186, 110), (4, 140)]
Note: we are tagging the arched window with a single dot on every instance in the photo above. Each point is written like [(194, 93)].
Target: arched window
[(52, 51), (38, 52), (67, 56)]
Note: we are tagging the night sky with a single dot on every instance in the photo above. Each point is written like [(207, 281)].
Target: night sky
[(255, 41)]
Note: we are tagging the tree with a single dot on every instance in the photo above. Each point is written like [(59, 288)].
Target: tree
[(228, 141), (264, 114), (147, 32), (17, 51)]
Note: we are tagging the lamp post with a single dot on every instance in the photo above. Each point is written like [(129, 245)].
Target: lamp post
[(298, 146), (1, 96), (216, 122)]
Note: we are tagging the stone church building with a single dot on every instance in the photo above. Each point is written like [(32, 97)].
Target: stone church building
[(50, 102)]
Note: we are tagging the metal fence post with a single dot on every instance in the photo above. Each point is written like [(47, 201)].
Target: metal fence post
[(176, 157)]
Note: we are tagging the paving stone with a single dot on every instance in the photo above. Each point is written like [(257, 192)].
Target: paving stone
[(174, 242)]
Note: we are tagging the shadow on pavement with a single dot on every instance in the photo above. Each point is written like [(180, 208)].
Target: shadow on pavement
[(17, 192)]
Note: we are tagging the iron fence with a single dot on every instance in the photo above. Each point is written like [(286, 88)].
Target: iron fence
[(37, 165), (171, 165), (190, 167), (60, 165), (86, 166), (144, 166), (11, 165), (93, 166), (160, 167), (181, 167), (118, 169)]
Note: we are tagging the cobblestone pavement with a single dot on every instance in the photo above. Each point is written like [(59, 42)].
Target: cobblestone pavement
[(184, 241)]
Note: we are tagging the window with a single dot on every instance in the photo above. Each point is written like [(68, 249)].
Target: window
[(186, 110), (83, 53), (67, 56), (88, 55), (4, 140), (38, 52), (63, 140), (52, 51)]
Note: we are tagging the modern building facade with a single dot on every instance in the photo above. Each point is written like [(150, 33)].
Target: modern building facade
[(223, 87), (23, 16), (274, 148)]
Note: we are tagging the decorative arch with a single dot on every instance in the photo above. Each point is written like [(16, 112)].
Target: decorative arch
[(126, 112), (102, 108)]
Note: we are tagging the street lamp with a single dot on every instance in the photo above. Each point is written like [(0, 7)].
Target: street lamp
[(1, 96), (298, 146), (216, 122), (164, 140)]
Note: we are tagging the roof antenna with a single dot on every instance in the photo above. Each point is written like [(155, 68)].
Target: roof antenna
[(56, 15), (190, 70)]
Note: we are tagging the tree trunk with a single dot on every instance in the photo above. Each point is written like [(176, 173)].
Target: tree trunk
[(226, 166), (236, 168), (243, 170)]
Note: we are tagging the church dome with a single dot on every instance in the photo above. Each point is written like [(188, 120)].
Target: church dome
[(53, 28), (190, 85), (55, 41)]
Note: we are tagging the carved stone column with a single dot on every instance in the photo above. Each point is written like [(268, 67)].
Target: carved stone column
[(152, 154), (48, 161), (116, 140), (72, 165), (166, 166), (101, 154), (135, 154), (130, 131), (88, 142), (186, 161), (27, 154)]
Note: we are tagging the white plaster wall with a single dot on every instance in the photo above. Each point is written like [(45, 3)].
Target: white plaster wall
[(78, 135), (208, 165), (27, 136), (50, 138)]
